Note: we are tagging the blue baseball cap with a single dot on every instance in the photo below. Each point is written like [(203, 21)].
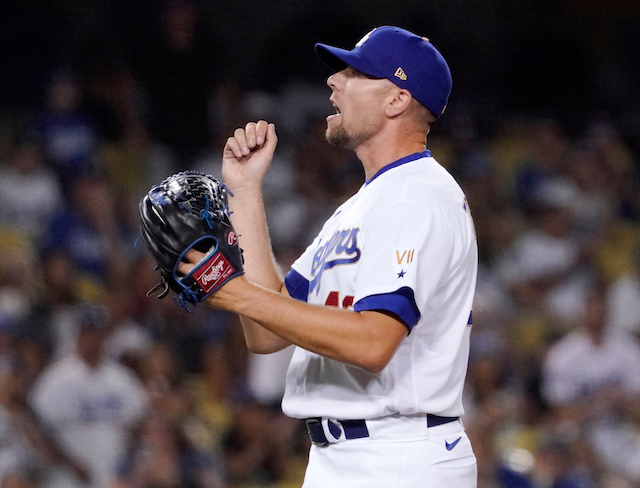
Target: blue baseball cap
[(406, 59)]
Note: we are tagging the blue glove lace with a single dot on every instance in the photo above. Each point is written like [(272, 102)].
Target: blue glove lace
[(187, 296), (205, 214)]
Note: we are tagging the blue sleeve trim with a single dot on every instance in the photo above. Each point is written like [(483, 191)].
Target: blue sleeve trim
[(297, 285), (401, 303)]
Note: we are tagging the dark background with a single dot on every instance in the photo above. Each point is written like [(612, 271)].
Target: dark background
[(571, 58), (146, 111)]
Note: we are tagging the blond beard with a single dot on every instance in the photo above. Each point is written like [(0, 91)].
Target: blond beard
[(339, 136)]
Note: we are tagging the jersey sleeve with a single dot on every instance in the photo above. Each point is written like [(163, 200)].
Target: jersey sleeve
[(409, 250), (297, 285), (401, 303)]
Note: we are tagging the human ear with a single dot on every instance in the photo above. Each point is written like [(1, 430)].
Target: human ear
[(399, 103)]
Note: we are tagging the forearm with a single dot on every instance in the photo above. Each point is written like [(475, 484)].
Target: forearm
[(260, 340), (246, 159), (249, 221), (365, 339)]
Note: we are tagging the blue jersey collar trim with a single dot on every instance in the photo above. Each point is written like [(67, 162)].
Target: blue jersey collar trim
[(407, 159)]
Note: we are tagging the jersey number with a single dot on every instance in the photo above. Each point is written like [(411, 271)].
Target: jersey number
[(333, 300)]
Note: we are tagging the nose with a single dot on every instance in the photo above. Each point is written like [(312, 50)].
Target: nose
[(334, 80), (331, 81)]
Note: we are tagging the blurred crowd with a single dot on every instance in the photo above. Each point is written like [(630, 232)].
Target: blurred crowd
[(103, 387)]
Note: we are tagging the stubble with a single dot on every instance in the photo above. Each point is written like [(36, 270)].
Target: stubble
[(338, 136)]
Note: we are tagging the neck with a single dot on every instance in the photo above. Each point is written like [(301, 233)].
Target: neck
[(382, 150), (91, 360), (596, 337)]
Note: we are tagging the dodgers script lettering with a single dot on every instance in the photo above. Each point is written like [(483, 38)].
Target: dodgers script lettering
[(341, 243)]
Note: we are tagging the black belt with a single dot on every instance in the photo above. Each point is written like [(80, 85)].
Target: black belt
[(355, 429)]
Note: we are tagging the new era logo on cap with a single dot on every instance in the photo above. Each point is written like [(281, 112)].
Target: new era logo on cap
[(408, 60), (400, 74)]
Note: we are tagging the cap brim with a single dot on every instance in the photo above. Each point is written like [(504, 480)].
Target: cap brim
[(338, 59)]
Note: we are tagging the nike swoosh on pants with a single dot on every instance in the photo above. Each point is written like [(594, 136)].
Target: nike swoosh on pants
[(453, 444)]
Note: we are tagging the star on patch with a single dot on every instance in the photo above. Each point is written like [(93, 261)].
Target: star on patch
[(401, 273)]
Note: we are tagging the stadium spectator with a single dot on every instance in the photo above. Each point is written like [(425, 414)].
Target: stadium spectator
[(89, 232), (591, 379), (67, 134), (26, 452), (29, 191), (546, 266), (624, 301), (87, 403)]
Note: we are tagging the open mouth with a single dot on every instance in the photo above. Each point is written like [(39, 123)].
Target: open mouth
[(337, 112)]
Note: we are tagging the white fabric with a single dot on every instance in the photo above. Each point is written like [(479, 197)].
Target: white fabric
[(408, 227), (89, 412), (536, 255), (575, 368), (27, 201), (129, 337), (624, 304), (402, 453), (266, 375)]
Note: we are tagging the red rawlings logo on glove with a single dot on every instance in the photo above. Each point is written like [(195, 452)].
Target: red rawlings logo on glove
[(213, 272), (232, 238)]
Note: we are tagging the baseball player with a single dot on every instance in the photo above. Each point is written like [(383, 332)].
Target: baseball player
[(379, 305)]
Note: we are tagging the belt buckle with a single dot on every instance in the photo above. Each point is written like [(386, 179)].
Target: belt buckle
[(315, 430)]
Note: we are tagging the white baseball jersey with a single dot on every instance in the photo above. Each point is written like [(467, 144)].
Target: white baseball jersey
[(405, 244), (88, 411), (576, 369)]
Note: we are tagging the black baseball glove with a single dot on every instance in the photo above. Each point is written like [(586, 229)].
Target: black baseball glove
[(189, 211)]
